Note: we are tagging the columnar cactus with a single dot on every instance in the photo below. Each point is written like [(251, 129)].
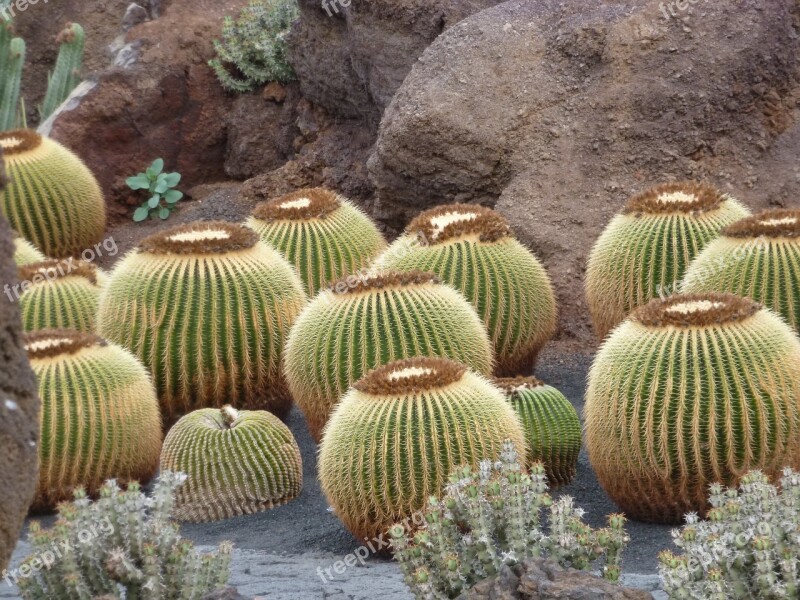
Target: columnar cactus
[(66, 73), (688, 391), (99, 416), (52, 199), (26, 253), (60, 294), (471, 248), (399, 432), (551, 424), (323, 235), (645, 251), (12, 62), (757, 257), (237, 463), (207, 308), (367, 321)]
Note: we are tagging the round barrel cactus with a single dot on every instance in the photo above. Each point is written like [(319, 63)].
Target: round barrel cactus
[(397, 435), (60, 294), (236, 462), (644, 252), (52, 199), (471, 248), (99, 416), (551, 424), (207, 308), (323, 235), (26, 253), (689, 391), (757, 257), (367, 321)]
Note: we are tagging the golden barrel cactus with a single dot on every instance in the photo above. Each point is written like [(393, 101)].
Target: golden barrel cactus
[(25, 252)]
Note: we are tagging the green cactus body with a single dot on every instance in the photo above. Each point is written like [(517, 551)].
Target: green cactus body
[(60, 294), (551, 424), (400, 431), (13, 64), (323, 235), (688, 391), (99, 417), (26, 253), (367, 322), (471, 248), (67, 72), (52, 198), (757, 257), (237, 463), (644, 252), (207, 308)]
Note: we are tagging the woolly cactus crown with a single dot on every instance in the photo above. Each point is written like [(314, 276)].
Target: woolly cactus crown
[(53, 343), (513, 387), (687, 197), (453, 222), (411, 376), (695, 310), (204, 237), (19, 142), (301, 205), (777, 223)]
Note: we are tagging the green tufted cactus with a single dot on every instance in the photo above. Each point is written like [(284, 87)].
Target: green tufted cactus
[(472, 249), (551, 424), (757, 257), (368, 321), (66, 74), (399, 432), (688, 391), (207, 308), (237, 463), (99, 417), (323, 235), (12, 62), (645, 251), (26, 253), (52, 198)]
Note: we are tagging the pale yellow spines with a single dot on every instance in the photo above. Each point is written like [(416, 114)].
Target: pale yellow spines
[(25, 252)]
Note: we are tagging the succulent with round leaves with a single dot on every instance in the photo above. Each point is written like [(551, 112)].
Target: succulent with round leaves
[(551, 424), (52, 199), (26, 253), (207, 308), (688, 391), (757, 257), (400, 431), (471, 248), (99, 416), (367, 321), (644, 252), (237, 463), (323, 235)]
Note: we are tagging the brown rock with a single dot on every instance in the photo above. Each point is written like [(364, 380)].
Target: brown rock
[(274, 91)]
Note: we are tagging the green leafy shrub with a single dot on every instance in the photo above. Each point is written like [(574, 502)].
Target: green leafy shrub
[(160, 186)]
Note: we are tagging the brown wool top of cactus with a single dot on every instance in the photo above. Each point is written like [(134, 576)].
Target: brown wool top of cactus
[(19, 141), (770, 223), (682, 197), (695, 310), (302, 205), (375, 282), (52, 269), (411, 376), (49, 343), (455, 221), (514, 385), (207, 237)]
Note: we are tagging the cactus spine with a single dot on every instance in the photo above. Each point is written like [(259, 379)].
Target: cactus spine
[(26, 253), (688, 391), (12, 64), (237, 463), (67, 72)]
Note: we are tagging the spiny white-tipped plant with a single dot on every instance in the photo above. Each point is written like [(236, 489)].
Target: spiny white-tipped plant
[(26, 253)]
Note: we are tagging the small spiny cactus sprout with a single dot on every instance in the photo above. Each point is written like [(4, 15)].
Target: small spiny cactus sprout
[(644, 252), (472, 248), (25, 253), (687, 391)]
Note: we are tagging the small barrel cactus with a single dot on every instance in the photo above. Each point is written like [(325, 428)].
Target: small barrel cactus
[(551, 424), (644, 252), (688, 391), (99, 417), (26, 253), (323, 235), (471, 248), (52, 199), (207, 308), (399, 432), (367, 321), (237, 463), (757, 257), (60, 294)]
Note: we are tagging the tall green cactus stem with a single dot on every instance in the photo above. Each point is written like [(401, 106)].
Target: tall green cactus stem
[(644, 252), (757, 257), (13, 63), (207, 308), (6, 35), (99, 415), (67, 73), (26, 253), (52, 198), (471, 248), (399, 432), (688, 391), (323, 235), (237, 463), (363, 323), (551, 424)]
